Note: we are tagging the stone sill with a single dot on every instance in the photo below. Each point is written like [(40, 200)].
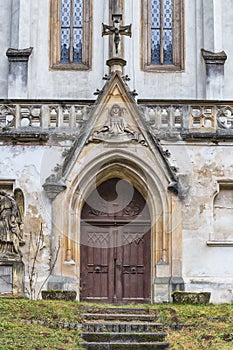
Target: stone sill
[(219, 243)]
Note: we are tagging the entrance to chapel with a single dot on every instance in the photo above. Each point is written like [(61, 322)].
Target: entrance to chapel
[(115, 245)]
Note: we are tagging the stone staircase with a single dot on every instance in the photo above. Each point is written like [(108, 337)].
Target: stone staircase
[(121, 328)]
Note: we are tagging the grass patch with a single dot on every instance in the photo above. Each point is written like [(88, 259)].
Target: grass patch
[(211, 326)]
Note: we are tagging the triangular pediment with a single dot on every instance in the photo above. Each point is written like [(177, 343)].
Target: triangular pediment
[(114, 119)]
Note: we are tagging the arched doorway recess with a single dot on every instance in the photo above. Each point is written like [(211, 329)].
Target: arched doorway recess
[(115, 245)]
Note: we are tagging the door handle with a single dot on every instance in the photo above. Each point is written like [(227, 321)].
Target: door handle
[(119, 264)]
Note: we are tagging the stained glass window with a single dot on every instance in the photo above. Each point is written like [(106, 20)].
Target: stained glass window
[(71, 34), (162, 35), (71, 31), (161, 31)]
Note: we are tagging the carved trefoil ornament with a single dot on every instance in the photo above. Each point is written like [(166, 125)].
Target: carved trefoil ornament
[(11, 230)]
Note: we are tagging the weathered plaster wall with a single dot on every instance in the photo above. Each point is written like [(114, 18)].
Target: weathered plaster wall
[(205, 268), (28, 166)]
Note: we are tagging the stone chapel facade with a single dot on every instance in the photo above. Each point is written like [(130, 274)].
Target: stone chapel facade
[(116, 135)]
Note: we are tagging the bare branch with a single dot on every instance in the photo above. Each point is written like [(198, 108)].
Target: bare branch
[(51, 267)]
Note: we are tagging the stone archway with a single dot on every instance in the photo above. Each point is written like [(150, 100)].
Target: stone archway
[(115, 245), (165, 215)]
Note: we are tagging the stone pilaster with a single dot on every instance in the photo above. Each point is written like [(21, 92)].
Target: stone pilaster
[(214, 73), (18, 72)]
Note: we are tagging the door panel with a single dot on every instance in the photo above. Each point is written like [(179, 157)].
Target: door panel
[(97, 264), (134, 255)]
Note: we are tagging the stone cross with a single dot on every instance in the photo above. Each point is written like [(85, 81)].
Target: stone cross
[(116, 30)]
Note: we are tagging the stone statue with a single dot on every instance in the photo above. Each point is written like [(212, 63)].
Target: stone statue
[(11, 233), (116, 124)]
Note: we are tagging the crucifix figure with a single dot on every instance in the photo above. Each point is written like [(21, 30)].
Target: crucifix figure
[(116, 30)]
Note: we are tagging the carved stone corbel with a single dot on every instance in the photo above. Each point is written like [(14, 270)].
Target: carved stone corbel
[(53, 186)]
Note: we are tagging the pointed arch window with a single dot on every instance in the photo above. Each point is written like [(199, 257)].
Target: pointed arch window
[(71, 27), (162, 35)]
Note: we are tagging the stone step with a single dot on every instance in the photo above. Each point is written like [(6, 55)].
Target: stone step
[(123, 337), (119, 317), (116, 310), (129, 346), (121, 327)]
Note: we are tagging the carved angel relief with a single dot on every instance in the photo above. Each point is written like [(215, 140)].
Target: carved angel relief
[(11, 232), (116, 129)]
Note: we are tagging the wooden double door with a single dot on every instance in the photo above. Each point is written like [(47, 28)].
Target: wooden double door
[(115, 246)]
